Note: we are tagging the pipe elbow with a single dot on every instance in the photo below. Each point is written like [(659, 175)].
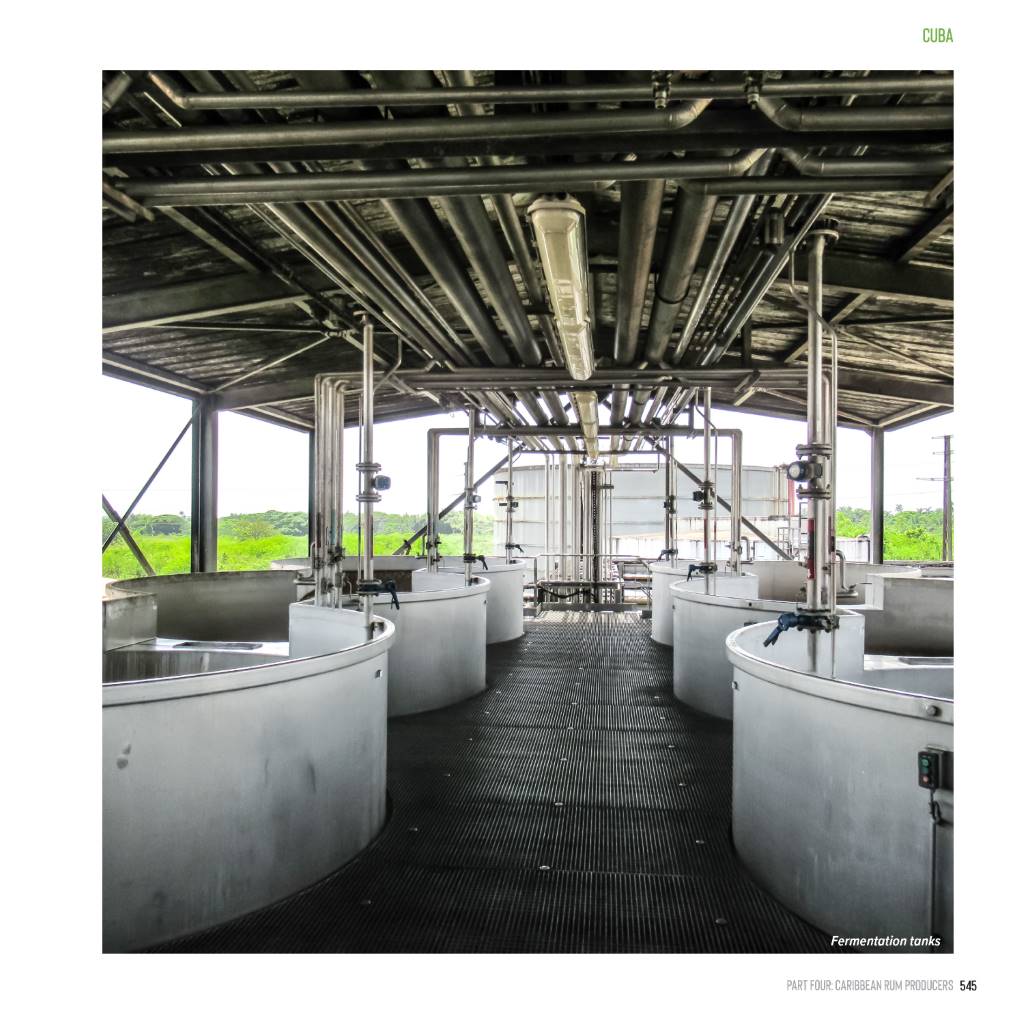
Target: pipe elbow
[(781, 113), (686, 113)]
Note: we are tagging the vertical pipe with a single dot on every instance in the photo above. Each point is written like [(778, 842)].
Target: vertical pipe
[(311, 493), (547, 503), (204, 486), (509, 503), (736, 512), (670, 501), (877, 495), (432, 543), (947, 500), (708, 502), (368, 470), (817, 431), (467, 518), (563, 517)]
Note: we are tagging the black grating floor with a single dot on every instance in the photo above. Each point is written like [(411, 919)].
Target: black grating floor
[(573, 807)]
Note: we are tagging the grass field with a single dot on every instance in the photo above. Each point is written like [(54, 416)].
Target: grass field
[(171, 554)]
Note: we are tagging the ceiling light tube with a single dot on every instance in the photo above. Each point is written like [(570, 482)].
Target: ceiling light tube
[(560, 230)]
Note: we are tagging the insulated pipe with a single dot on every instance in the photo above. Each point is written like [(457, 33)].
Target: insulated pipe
[(883, 84), (804, 119), (807, 163), (737, 217), (810, 186), (368, 469), (472, 227), (691, 218), (640, 208), (243, 137), (511, 225)]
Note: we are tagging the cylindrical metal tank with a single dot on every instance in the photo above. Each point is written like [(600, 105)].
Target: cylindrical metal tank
[(225, 791), (701, 673), (218, 605), (828, 815), (663, 575), (505, 600), (439, 656)]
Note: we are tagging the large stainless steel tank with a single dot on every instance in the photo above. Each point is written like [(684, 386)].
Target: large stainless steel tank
[(439, 656), (828, 815), (226, 790), (505, 600)]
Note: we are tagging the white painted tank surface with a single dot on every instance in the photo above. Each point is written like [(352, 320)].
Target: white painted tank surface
[(505, 600), (702, 675), (439, 656), (234, 772), (828, 815), (663, 576)]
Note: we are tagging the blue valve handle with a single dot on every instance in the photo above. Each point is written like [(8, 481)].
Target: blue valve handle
[(789, 620)]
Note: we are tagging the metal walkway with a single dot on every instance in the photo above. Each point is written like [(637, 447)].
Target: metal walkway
[(575, 806)]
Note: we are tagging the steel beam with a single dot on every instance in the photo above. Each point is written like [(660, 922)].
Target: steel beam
[(877, 532), (133, 547), (196, 300), (204, 485), (933, 227)]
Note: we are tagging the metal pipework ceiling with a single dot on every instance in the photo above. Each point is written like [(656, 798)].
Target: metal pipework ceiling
[(244, 210)]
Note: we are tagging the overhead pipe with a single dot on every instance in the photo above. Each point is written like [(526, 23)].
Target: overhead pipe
[(393, 183), (511, 226), (296, 136), (640, 209), (809, 186), (820, 166), (803, 119), (884, 84), (734, 223), (691, 218)]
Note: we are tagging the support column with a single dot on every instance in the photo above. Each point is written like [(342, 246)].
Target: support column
[(204, 486), (311, 495), (877, 495)]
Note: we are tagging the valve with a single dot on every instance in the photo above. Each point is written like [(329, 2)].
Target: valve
[(705, 496), (470, 559), (382, 483), (513, 547), (669, 504), (801, 620), (805, 470), (701, 569), (670, 552), (375, 587)]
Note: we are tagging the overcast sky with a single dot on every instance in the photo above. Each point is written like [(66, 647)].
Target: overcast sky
[(264, 466)]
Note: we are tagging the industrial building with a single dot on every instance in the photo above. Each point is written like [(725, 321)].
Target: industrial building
[(670, 712)]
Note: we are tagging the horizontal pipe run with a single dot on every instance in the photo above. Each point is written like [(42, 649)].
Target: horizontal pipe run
[(809, 186), (254, 136), (799, 119), (441, 181), (819, 166), (626, 92)]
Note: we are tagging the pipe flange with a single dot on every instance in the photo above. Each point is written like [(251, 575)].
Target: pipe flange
[(828, 228), (817, 448), (368, 467), (367, 497)]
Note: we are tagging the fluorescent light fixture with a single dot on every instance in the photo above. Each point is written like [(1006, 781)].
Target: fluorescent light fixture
[(560, 230), (586, 413)]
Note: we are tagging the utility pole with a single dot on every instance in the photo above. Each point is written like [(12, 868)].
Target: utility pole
[(947, 494), (947, 499)]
